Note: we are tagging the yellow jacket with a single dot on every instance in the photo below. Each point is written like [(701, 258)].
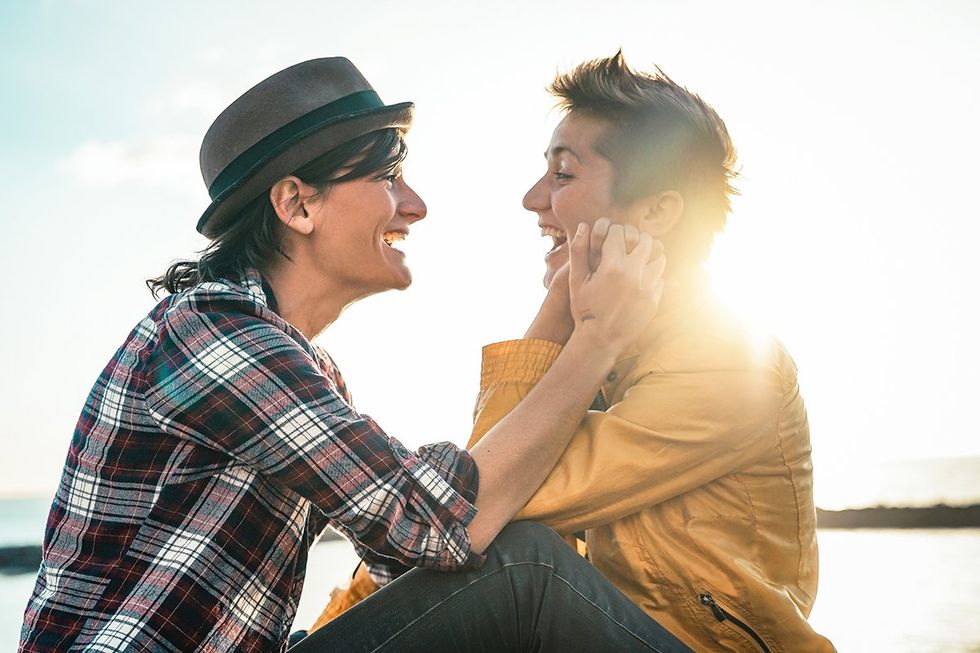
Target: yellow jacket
[(694, 487)]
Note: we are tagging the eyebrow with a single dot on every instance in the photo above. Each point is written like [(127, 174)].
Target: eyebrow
[(559, 149)]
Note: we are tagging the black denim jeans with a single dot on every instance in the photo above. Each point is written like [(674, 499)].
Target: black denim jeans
[(533, 594)]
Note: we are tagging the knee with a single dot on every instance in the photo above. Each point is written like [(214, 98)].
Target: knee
[(529, 541)]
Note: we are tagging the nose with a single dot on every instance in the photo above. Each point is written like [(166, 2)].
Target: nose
[(537, 198), (410, 205)]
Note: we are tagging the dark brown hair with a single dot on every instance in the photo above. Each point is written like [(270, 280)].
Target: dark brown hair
[(660, 137), (253, 238)]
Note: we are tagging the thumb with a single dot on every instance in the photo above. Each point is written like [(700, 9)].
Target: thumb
[(578, 257)]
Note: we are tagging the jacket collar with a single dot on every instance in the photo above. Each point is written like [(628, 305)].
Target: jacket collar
[(680, 303)]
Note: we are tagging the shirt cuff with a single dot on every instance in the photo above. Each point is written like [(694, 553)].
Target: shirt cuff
[(520, 361), (456, 466)]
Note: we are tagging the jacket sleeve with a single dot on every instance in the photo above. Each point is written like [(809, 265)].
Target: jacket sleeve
[(235, 383), (671, 433)]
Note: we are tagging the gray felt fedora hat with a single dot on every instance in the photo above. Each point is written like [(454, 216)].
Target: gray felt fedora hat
[(283, 123)]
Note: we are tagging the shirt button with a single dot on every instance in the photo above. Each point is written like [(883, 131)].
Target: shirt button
[(612, 376)]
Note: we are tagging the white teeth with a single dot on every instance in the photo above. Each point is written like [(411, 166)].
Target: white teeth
[(558, 237), (557, 234), (391, 237)]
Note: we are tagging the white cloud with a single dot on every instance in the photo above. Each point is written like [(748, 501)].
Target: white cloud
[(199, 97), (216, 80), (213, 54), (167, 161)]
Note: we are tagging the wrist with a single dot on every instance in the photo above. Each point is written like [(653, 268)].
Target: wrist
[(601, 353), (553, 322), (551, 331)]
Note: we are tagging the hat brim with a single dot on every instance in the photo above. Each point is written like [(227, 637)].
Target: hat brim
[(295, 153)]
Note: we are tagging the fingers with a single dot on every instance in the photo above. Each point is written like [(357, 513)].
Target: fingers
[(646, 262), (658, 291), (625, 246), (657, 250), (578, 256), (614, 246), (638, 262), (640, 256), (599, 231), (653, 270), (632, 235)]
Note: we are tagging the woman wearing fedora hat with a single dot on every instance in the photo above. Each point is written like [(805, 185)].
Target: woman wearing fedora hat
[(219, 442)]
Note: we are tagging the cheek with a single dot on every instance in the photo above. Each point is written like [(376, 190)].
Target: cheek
[(386, 208), (373, 215), (571, 205)]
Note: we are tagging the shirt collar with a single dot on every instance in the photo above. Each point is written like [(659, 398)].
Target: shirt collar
[(680, 300), (258, 288)]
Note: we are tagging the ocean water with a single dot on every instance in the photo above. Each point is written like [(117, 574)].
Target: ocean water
[(902, 591), (22, 521), (895, 591)]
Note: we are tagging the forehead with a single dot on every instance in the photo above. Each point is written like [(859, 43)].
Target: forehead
[(577, 133)]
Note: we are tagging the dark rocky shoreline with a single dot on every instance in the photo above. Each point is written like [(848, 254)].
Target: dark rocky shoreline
[(25, 559), (941, 516), (19, 559)]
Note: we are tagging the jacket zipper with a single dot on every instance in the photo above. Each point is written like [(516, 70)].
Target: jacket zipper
[(723, 615)]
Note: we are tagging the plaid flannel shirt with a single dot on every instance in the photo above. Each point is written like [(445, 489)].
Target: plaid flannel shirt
[(213, 449)]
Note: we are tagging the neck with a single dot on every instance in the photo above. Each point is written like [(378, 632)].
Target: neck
[(690, 276), (308, 301), (683, 286)]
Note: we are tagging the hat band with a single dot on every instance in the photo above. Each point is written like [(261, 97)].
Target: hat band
[(277, 140)]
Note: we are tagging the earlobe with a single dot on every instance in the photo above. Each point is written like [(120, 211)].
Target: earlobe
[(664, 213), (289, 202)]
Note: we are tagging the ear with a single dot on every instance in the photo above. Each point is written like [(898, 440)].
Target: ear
[(664, 211), (289, 196)]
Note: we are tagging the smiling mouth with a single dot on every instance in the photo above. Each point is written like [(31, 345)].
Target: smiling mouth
[(392, 237), (558, 237)]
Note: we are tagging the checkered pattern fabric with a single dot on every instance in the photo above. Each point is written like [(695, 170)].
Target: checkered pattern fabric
[(215, 447)]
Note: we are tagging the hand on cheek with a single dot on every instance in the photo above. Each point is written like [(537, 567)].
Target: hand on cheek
[(596, 238), (631, 236)]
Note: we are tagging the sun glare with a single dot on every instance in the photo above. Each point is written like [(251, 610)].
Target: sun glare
[(742, 288)]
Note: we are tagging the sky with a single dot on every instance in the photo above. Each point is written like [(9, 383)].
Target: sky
[(853, 239)]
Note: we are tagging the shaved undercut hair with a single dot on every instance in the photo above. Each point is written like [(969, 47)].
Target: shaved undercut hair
[(660, 137)]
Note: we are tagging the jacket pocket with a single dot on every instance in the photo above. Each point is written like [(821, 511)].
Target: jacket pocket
[(725, 616)]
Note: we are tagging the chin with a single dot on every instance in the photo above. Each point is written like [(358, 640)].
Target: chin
[(402, 282), (548, 276)]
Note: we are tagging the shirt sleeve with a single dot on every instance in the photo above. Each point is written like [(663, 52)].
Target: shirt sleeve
[(332, 372), (234, 382), (443, 458), (672, 432)]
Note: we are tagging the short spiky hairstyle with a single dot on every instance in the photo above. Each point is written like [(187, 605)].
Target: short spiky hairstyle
[(660, 137)]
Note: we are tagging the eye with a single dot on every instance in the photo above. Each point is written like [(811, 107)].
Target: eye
[(392, 176), (563, 176)]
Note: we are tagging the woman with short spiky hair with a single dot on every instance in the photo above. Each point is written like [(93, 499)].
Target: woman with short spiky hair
[(691, 477)]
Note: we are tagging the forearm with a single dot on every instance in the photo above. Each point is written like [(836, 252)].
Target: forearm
[(515, 456), (553, 322), (613, 305), (509, 370)]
